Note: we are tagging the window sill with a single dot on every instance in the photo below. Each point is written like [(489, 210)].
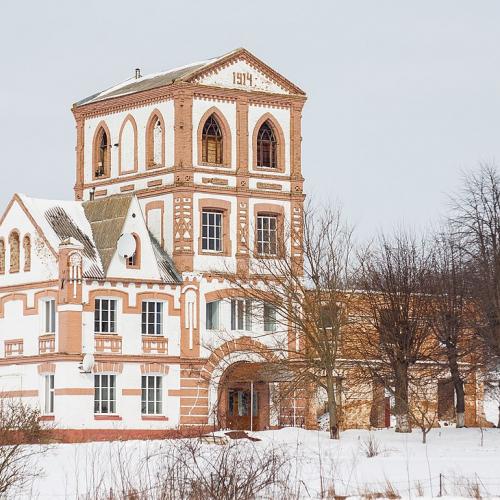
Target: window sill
[(46, 418), (158, 418), (107, 417), (216, 165)]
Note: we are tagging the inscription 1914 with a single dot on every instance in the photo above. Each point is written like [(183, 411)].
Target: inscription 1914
[(242, 78)]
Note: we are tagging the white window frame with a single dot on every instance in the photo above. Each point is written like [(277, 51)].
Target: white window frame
[(212, 243), (214, 325), (241, 314), (269, 326), (151, 395), (105, 402), (267, 234), (98, 313), (49, 393), (49, 316), (159, 308)]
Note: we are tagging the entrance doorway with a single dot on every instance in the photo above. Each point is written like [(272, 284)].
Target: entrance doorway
[(244, 397)]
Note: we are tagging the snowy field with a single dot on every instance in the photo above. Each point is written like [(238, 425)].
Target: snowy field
[(466, 459)]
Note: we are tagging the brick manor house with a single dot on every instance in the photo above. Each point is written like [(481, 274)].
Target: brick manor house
[(190, 168), (115, 316)]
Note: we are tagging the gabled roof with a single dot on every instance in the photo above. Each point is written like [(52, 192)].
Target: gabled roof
[(106, 217), (96, 224), (190, 74)]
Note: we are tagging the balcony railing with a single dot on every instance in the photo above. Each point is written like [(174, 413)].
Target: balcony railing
[(46, 343), (108, 344), (14, 348), (154, 345)]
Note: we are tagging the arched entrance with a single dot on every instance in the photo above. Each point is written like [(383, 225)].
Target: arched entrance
[(243, 396)]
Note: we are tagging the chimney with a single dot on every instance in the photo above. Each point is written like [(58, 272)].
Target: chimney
[(137, 73)]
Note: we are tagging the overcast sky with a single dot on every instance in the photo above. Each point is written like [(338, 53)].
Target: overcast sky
[(402, 95)]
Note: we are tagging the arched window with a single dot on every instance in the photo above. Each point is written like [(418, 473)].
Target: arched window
[(155, 141), (2, 256), (102, 153), (14, 252), (134, 261), (27, 252), (267, 149), (212, 141)]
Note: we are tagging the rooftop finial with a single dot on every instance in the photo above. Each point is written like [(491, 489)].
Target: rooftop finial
[(137, 73)]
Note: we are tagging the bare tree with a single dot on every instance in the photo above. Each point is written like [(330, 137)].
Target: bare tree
[(476, 224), (453, 316), (305, 284), (395, 276)]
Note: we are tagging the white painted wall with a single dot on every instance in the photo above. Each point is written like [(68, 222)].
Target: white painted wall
[(114, 122)]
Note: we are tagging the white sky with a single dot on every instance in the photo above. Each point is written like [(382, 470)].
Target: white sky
[(403, 95)]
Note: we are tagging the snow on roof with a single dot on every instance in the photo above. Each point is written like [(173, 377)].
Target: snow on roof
[(62, 219), (149, 81)]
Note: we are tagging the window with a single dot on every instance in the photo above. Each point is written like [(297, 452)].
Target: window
[(27, 252), (151, 395), (152, 318), (239, 403), (49, 316), (105, 316), (2, 256), (211, 141), (48, 404), (102, 154), (134, 261), (157, 142), (14, 252), (241, 314), (267, 236), (211, 231), (266, 146), (269, 318), (212, 315), (104, 393)]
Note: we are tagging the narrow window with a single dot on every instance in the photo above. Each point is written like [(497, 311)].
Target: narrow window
[(241, 314), (212, 315), (266, 146), (157, 142), (102, 154), (48, 404), (211, 141), (27, 252), (267, 237), (134, 260), (2, 256), (269, 317), (104, 393), (105, 316), (49, 320), (151, 395), (14, 252), (211, 231), (152, 318)]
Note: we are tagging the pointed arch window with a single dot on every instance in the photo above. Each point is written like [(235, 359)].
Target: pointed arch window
[(2, 256), (155, 142), (267, 146), (14, 252), (212, 141), (27, 252), (102, 154)]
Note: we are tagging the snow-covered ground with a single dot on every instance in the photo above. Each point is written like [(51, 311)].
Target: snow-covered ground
[(462, 457)]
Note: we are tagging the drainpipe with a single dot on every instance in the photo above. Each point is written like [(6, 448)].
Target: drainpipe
[(251, 406)]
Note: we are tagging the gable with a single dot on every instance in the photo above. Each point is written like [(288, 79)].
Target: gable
[(241, 70), (241, 75)]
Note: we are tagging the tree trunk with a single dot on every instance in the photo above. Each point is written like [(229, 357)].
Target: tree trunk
[(401, 407), (458, 384), (332, 407)]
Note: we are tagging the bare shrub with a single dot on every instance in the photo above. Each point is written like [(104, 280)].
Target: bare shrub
[(19, 425), (370, 446), (419, 489)]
